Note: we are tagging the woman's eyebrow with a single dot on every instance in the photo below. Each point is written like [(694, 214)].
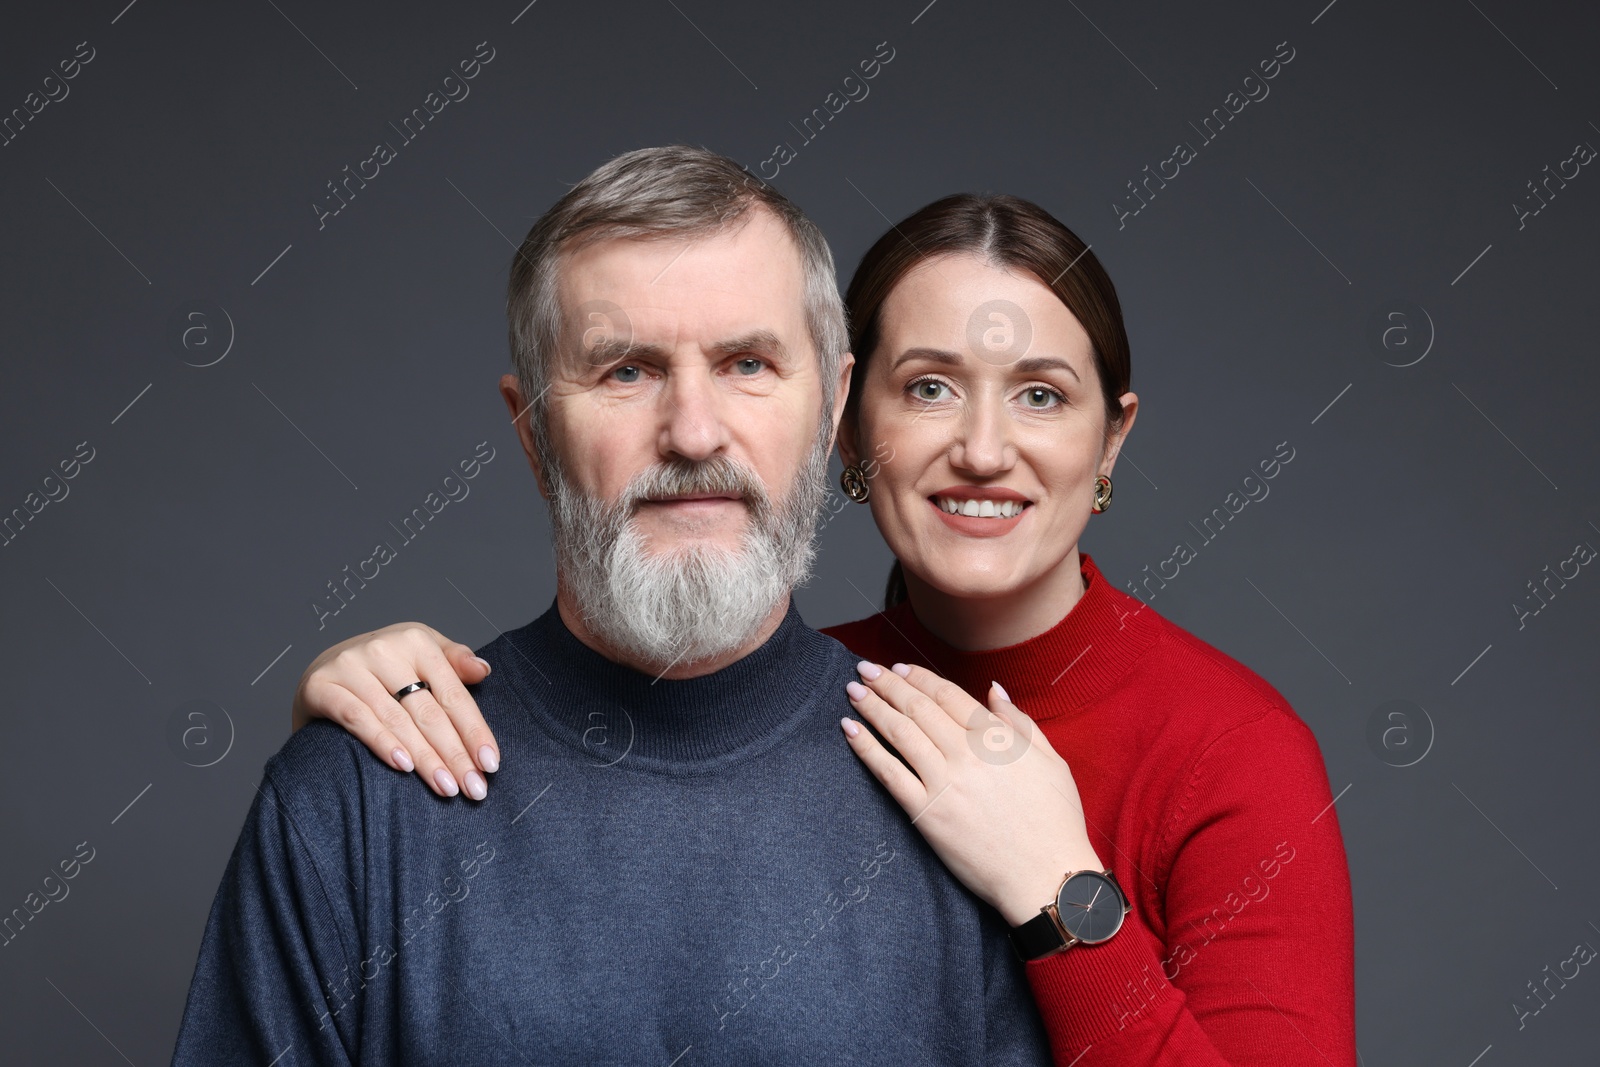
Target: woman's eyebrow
[(1039, 363), (932, 355), (1026, 365)]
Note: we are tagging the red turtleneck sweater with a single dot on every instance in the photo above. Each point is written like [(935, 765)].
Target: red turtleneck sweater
[(1207, 796)]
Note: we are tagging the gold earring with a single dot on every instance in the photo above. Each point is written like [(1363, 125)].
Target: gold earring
[(1102, 493), (853, 480)]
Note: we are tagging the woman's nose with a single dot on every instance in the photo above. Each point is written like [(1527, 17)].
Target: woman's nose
[(983, 443)]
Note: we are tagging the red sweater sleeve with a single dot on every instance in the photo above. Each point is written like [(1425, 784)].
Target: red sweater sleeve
[(1250, 958)]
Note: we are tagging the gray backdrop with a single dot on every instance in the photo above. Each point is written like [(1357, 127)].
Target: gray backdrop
[(248, 389)]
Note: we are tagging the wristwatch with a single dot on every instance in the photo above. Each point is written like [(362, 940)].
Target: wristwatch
[(1088, 910)]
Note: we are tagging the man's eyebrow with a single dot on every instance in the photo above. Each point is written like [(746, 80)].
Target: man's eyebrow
[(1027, 365), (612, 349), (754, 341)]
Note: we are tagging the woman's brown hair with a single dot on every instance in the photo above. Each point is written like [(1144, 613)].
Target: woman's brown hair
[(1015, 234)]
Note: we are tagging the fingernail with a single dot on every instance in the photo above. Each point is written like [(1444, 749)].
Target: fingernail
[(869, 671), (1002, 691), (490, 761), (486, 667), (856, 690), (403, 761), (447, 783), (850, 727), (902, 670), (477, 788)]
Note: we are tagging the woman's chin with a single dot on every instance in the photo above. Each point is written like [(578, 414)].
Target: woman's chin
[(965, 578)]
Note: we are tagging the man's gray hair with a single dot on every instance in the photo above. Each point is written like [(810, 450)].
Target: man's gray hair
[(676, 190)]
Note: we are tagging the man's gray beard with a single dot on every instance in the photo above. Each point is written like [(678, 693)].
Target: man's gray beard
[(685, 605)]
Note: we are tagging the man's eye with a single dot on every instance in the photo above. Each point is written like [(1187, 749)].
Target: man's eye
[(1040, 398), (930, 389), (751, 365), (626, 374)]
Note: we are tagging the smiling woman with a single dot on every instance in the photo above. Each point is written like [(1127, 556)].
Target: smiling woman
[(1032, 420)]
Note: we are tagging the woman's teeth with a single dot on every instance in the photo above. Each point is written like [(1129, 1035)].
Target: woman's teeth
[(982, 509)]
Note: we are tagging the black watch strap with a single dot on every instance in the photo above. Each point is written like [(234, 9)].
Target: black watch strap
[(1037, 938)]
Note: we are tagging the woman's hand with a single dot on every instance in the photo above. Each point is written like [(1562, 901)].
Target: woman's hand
[(431, 730), (990, 794)]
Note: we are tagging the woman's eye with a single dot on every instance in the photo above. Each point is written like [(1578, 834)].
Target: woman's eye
[(750, 365), (930, 389), (626, 374), (1040, 398)]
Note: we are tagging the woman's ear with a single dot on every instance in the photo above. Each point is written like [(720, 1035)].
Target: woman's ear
[(1114, 439), (849, 439)]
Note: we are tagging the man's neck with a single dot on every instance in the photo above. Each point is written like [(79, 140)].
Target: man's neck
[(573, 619)]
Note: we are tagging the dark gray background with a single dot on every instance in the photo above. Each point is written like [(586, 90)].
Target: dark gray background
[(1383, 566)]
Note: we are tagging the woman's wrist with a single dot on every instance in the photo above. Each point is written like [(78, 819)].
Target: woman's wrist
[(1032, 892)]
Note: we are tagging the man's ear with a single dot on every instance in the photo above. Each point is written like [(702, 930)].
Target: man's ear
[(844, 432), (511, 392)]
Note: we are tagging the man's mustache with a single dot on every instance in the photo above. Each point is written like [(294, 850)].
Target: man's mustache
[(718, 475)]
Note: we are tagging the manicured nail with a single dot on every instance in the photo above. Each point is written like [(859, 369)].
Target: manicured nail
[(1002, 691), (477, 788), (403, 760), (902, 670), (447, 783), (850, 727), (488, 759), (486, 667), (856, 690), (869, 671)]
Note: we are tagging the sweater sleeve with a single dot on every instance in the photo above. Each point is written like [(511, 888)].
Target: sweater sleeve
[(272, 957), (1012, 1032), (1255, 965)]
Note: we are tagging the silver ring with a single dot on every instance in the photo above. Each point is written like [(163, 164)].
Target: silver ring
[(412, 688)]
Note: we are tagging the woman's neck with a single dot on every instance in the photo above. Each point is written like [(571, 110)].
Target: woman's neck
[(977, 624)]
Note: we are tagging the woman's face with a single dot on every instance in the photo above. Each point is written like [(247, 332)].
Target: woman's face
[(981, 426)]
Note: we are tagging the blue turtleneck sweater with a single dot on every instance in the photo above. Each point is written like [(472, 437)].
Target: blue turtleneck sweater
[(665, 872)]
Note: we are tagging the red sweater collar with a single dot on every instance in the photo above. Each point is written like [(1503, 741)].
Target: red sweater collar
[(1068, 666)]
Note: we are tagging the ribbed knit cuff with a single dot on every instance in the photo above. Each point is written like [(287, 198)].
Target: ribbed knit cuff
[(1090, 991)]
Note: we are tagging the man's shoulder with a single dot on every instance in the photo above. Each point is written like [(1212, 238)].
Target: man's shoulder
[(837, 651), (321, 783), (319, 749)]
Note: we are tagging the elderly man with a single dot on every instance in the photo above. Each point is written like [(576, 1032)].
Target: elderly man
[(682, 862)]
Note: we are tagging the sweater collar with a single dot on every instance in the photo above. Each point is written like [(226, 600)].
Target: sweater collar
[(611, 711), (1068, 666)]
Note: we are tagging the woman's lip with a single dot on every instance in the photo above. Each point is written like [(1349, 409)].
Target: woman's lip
[(972, 526)]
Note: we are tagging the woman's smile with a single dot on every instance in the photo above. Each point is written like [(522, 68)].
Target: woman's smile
[(980, 510)]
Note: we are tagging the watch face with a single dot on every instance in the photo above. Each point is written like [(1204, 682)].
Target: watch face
[(1090, 907)]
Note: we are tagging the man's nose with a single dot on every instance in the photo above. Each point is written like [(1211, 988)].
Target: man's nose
[(692, 423)]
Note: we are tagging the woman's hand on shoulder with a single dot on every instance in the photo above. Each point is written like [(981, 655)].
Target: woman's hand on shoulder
[(989, 793), (430, 730)]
